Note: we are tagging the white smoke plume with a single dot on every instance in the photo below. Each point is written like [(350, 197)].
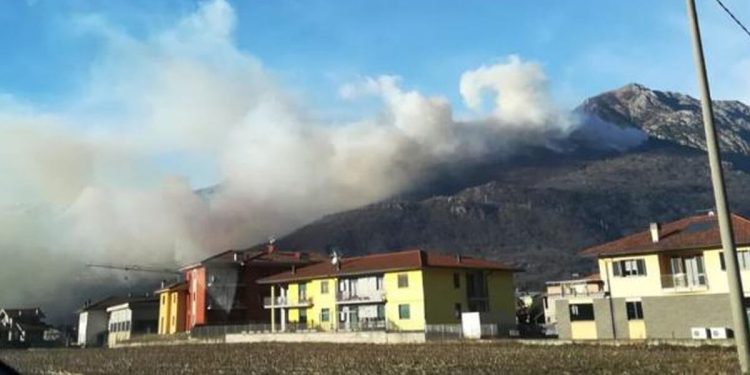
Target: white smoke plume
[(79, 185)]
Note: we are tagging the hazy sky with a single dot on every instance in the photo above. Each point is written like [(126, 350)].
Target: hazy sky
[(315, 47)]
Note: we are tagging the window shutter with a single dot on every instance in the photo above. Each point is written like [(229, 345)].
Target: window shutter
[(641, 267), (616, 268)]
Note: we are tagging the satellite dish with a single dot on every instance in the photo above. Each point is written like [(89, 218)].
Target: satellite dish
[(271, 240), (335, 257)]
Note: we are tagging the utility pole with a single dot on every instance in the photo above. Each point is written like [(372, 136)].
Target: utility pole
[(736, 295)]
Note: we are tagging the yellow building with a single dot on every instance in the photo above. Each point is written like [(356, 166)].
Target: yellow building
[(172, 299), (398, 291), (668, 281)]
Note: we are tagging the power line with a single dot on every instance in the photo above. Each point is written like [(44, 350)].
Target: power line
[(729, 12)]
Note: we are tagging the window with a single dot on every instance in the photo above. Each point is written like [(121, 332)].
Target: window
[(174, 320), (403, 280), (302, 292), (581, 311), (324, 287), (381, 311), (456, 280), (164, 299), (743, 260), (634, 310), (325, 315), (629, 267), (379, 282), (403, 312), (457, 310)]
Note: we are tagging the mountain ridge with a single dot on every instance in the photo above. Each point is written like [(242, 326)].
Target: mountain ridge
[(539, 210)]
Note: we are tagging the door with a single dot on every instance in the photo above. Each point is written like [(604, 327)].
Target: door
[(694, 271)]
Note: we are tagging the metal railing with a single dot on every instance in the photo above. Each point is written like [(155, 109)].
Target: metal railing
[(363, 325), (285, 301), (361, 297), (219, 331), (683, 281), (570, 292)]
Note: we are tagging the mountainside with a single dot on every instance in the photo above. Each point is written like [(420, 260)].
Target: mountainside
[(672, 117), (538, 211)]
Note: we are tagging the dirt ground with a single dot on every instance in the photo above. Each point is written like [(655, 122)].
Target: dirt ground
[(311, 358)]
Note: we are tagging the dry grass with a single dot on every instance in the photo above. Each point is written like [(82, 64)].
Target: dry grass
[(310, 358)]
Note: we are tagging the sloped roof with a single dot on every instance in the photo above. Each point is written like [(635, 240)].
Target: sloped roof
[(694, 232), (401, 260), (260, 257), (177, 285), (25, 315), (110, 301)]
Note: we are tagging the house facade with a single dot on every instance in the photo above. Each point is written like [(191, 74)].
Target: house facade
[(398, 291), (222, 289), (136, 316), (172, 308), (574, 291), (22, 327), (667, 282), (93, 321)]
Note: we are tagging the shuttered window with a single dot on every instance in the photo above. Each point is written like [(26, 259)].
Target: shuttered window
[(629, 267)]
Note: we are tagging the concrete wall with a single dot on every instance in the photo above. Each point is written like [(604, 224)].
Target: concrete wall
[(672, 317), (375, 337), (563, 319), (603, 317)]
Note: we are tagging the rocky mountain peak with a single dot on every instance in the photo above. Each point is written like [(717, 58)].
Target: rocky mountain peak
[(671, 116)]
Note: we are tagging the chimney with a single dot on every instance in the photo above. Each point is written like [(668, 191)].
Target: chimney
[(270, 247), (655, 228), (294, 270), (163, 283), (458, 258)]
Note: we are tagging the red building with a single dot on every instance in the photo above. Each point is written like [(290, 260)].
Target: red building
[(222, 289)]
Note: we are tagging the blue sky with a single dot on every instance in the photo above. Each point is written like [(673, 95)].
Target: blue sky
[(314, 47), (585, 46)]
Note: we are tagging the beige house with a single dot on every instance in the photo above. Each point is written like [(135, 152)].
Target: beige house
[(579, 290), (668, 281)]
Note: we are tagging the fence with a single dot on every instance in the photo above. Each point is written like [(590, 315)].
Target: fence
[(441, 332), (216, 331)]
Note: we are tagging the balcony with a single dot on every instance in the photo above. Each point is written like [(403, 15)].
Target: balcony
[(283, 301), (363, 325), (350, 298), (682, 282)]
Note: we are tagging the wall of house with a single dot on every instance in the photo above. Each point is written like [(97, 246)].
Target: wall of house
[(563, 318), (650, 285), (605, 310), (717, 278), (502, 298), (177, 302), (633, 286), (672, 317), (117, 317), (412, 295), (319, 302), (165, 313), (441, 296), (196, 304), (96, 327)]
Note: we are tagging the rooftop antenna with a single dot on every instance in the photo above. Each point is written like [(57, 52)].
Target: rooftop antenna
[(336, 258)]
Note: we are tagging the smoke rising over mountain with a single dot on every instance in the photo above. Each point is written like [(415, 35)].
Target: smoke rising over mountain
[(82, 183)]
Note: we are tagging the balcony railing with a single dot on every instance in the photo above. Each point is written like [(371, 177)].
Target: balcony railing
[(283, 301), (361, 297), (363, 325), (683, 282), (577, 293)]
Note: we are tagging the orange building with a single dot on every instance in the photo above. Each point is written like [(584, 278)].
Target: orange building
[(222, 289)]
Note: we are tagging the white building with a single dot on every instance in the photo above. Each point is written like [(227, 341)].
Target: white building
[(93, 319), (137, 316)]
